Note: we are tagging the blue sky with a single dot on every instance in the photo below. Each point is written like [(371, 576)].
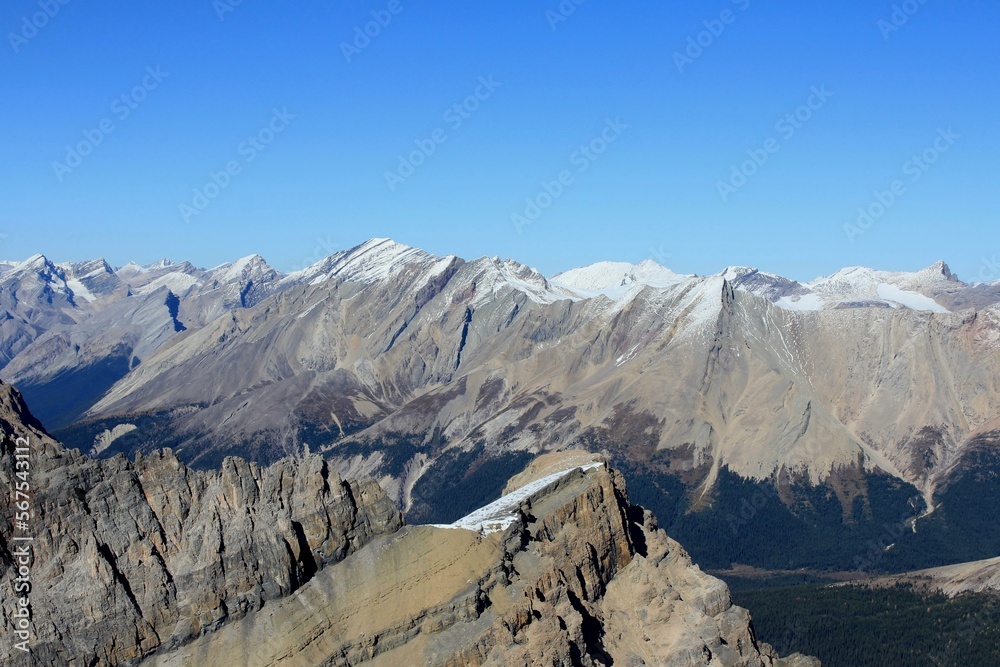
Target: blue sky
[(671, 101)]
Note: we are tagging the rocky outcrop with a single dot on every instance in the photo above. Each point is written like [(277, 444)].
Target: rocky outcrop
[(561, 571), (981, 576), (134, 557)]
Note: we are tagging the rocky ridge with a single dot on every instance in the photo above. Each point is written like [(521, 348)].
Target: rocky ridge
[(150, 562), (981, 576), (576, 576), (133, 557)]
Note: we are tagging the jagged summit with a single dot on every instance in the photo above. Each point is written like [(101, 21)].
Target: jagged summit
[(549, 574), (375, 259), (15, 418)]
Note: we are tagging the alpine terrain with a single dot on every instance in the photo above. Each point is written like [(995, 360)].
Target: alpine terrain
[(150, 562), (846, 423)]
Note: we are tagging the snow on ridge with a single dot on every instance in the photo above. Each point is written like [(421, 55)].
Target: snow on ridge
[(732, 273), (38, 268), (618, 280), (801, 302), (160, 264), (92, 268), (175, 281), (595, 277), (521, 277), (502, 513), (907, 299), (436, 269), (863, 285), (232, 271), (35, 262), (373, 260)]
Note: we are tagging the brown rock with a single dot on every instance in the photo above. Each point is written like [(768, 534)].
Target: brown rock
[(134, 557)]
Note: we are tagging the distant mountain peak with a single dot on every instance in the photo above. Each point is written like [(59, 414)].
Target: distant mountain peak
[(160, 264), (374, 259), (616, 279)]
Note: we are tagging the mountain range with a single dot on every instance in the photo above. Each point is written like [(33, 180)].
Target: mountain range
[(848, 422), (149, 562)]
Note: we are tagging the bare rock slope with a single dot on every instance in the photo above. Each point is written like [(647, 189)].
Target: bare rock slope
[(150, 562), (131, 557), (981, 576), (560, 571)]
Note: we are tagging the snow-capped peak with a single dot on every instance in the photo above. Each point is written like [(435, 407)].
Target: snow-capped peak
[(240, 269), (372, 260), (615, 279), (37, 265), (35, 262), (734, 273), (855, 286), (161, 264), (38, 273), (508, 273), (89, 269)]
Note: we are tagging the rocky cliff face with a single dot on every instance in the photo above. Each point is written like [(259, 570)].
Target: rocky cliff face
[(133, 557), (562, 571), (151, 562)]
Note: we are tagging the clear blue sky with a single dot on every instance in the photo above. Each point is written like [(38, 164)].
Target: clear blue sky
[(320, 184)]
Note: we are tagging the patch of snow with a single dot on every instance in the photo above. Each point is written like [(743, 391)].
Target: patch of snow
[(861, 285), (627, 356), (435, 270), (83, 270), (308, 310), (803, 302), (80, 290), (162, 264), (176, 282), (502, 513), (508, 274), (911, 300)]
